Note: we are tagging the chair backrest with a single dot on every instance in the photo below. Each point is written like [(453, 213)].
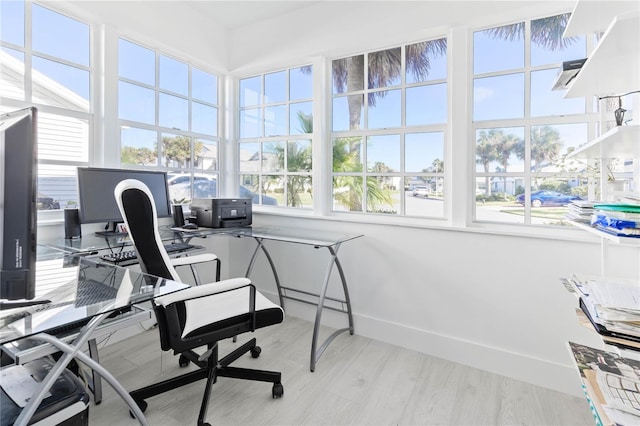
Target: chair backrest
[(138, 210)]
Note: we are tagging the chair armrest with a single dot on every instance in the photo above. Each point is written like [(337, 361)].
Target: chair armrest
[(201, 291), (191, 260)]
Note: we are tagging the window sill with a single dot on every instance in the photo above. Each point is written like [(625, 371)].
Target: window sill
[(569, 233)]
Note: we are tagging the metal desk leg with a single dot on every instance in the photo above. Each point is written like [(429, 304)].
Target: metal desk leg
[(70, 352), (96, 379), (316, 354), (260, 245)]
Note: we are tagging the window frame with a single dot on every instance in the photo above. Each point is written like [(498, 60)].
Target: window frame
[(591, 117), (402, 130), (194, 137), (262, 140)]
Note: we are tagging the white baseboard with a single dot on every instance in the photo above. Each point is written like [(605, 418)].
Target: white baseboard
[(539, 372)]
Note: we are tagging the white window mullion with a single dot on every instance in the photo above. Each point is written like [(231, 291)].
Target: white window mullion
[(460, 137), (106, 147), (322, 144)]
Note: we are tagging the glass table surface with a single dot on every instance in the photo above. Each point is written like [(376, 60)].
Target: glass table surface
[(312, 237), (93, 243), (78, 289)]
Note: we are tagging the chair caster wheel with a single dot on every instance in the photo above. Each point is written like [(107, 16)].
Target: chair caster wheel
[(183, 361), (277, 391), (255, 351), (142, 404)]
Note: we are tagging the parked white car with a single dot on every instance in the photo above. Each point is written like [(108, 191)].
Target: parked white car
[(420, 191)]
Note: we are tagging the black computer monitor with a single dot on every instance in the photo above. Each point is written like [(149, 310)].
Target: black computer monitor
[(18, 212), (98, 204)]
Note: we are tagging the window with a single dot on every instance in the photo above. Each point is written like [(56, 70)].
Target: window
[(48, 68), (523, 129), (169, 114), (389, 119), (275, 129)]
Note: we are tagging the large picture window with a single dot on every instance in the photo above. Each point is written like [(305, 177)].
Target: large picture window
[(523, 129), (275, 129), (169, 114), (51, 70), (389, 119)]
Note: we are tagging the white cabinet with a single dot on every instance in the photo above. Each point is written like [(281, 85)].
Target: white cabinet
[(595, 16), (614, 65)]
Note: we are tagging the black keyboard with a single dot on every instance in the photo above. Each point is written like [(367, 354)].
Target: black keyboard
[(129, 255), (90, 291)]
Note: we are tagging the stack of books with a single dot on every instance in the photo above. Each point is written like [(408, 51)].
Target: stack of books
[(617, 219)]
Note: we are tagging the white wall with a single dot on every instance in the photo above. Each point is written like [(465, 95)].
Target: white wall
[(494, 302)]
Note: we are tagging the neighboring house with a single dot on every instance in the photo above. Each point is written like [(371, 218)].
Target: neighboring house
[(59, 137)]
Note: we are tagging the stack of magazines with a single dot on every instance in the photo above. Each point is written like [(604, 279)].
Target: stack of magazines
[(611, 384), (617, 219), (580, 211)]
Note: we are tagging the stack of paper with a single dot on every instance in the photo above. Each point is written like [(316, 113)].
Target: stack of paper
[(617, 219), (611, 304), (612, 384)]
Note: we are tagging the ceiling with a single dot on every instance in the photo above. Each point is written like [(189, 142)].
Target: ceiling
[(235, 14)]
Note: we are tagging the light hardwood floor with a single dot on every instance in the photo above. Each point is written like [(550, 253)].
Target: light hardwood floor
[(358, 381)]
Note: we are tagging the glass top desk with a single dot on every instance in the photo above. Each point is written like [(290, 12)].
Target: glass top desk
[(82, 293), (315, 238), (92, 243)]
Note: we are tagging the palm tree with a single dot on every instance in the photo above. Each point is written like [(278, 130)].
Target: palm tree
[(487, 152), (545, 147), (545, 32), (384, 68), (298, 158), (437, 166), (505, 147)]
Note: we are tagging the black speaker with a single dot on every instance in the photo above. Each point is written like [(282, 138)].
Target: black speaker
[(72, 227), (178, 215)]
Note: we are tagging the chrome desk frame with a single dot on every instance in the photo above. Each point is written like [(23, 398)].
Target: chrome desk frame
[(317, 239), (17, 325), (72, 351)]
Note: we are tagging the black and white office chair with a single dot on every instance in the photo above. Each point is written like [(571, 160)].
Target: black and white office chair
[(200, 315)]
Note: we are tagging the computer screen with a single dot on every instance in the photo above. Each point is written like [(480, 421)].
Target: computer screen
[(95, 191), (18, 211)]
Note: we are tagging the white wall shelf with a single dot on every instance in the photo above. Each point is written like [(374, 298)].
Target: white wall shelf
[(619, 142), (614, 66), (632, 241), (595, 16)]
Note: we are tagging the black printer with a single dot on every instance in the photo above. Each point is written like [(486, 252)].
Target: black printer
[(221, 212)]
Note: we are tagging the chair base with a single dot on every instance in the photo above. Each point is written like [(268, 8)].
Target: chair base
[(211, 368)]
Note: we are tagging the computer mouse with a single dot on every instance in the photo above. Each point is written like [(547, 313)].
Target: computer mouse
[(190, 226)]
